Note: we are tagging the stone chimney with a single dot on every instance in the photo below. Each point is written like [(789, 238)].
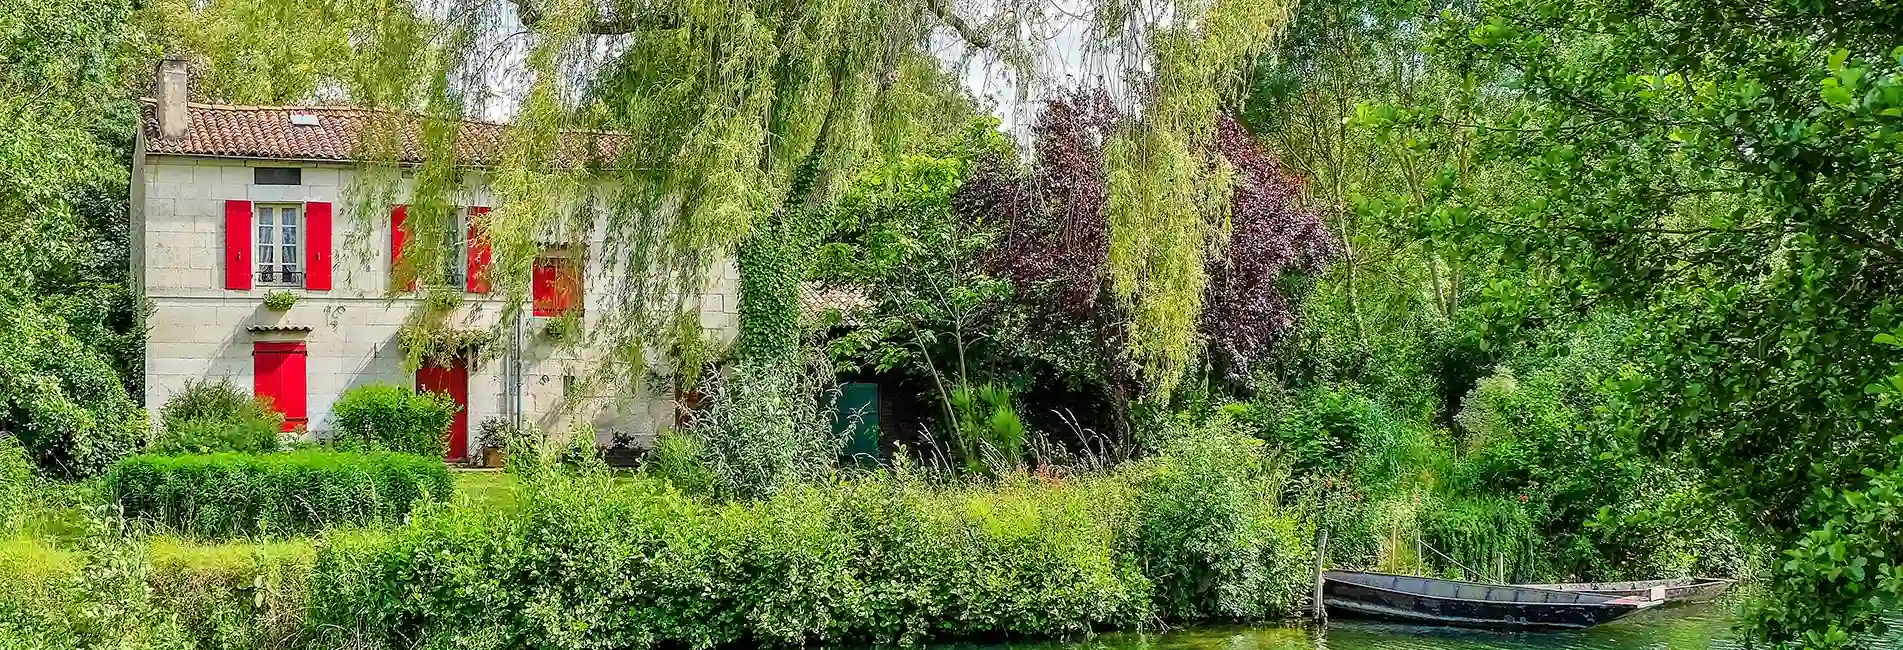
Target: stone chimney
[(171, 93)]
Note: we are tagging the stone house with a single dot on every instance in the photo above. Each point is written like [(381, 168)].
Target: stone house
[(231, 203)]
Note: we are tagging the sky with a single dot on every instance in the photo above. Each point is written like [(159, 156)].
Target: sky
[(1055, 31)]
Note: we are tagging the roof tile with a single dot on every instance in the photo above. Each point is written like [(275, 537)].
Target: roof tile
[(266, 132)]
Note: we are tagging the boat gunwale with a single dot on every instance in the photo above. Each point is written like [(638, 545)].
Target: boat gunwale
[(1611, 602), (1690, 582)]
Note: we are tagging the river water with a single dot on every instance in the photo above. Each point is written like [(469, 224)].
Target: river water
[(1691, 627)]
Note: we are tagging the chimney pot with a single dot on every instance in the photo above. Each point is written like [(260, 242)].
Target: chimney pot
[(171, 95)]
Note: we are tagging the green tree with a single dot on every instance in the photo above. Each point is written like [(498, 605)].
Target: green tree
[(71, 344), (1729, 173)]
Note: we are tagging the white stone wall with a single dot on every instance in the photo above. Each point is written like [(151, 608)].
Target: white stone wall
[(198, 328)]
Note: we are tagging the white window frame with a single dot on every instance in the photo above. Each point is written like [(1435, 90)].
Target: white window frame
[(279, 271), (456, 247)]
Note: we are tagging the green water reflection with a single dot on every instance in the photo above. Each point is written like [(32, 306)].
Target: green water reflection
[(1692, 627)]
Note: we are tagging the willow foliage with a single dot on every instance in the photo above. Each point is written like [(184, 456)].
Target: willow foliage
[(1169, 197)]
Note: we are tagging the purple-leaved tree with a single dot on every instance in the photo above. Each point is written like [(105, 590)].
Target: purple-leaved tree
[(1055, 232), (1275, 241)]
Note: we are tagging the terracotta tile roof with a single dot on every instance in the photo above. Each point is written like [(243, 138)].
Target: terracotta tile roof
[(817, 299), (277, 328), (267, 132)]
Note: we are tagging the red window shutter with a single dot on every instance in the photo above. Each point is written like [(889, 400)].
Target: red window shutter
[(317, 246), (278, 373), (542, 291), (479, 253), (238, 245), (398, 213), (556, 287)]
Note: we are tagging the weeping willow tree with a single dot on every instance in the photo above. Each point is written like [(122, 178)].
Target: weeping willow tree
[(663, 138), (1169, 192)]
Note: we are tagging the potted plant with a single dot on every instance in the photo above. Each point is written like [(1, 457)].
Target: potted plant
[(624, 451), (279, 300), (560, 329), (492, 442)]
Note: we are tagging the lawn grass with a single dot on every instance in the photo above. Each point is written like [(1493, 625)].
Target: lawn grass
[(26, 561), (495, 490), (484, 489)]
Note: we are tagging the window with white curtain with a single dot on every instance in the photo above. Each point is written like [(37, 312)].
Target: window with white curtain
[(280, 234)]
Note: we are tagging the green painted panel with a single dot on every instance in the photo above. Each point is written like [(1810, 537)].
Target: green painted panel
[(862, 400)]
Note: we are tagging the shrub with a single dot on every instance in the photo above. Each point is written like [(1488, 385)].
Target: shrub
[(58, 599), (767, 426), (885, 560), (233, 594), (209, 417), (533, 451), (222, 401), (988, 432), (1484, 536), (292, 492), (16, 484), (61, 398), (388, 417), (1209, 533), (677, 458)]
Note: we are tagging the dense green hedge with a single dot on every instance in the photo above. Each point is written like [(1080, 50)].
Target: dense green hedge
[(236, 494), (584, 562)]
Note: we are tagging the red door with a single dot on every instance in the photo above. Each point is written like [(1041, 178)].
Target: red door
[(278, 374), (453, 380)]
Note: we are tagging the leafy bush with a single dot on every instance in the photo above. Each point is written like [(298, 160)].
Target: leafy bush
[(234, 594), (988, 433), (1209, 533), (1842, 579), (60, 398), (292, 492), (678, 459), (388, 417), (534, 451), (1483, 535), (221, 401), (208, 417), (887, 558), (767, 425), (96, 597)]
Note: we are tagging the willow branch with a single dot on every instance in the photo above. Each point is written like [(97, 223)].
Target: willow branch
[(977, 38), (600, 25)]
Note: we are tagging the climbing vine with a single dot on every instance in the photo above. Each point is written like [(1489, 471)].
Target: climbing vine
[(430, 337)]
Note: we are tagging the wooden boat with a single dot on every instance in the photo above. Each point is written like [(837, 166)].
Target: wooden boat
[(1431, 601), (1671, 590)]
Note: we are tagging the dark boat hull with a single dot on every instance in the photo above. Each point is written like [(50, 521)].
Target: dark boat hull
[(1677, 590), (1467, 604)]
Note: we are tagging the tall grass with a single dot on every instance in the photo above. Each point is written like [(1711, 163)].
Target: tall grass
[(16, 485)]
